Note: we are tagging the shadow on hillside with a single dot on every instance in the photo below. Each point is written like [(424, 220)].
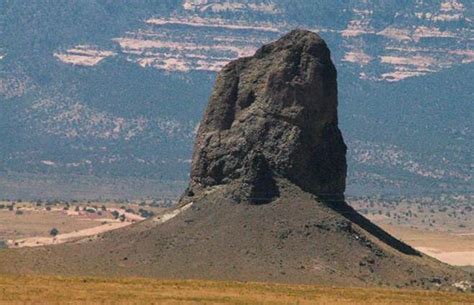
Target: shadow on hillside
[(349, 213)]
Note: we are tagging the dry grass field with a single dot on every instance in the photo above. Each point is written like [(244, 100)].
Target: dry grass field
[(55, 290)]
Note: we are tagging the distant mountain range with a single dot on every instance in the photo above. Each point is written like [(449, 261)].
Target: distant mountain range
[(113, 90)]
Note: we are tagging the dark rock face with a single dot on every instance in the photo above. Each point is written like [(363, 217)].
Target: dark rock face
[(274, 115), (258, 183)]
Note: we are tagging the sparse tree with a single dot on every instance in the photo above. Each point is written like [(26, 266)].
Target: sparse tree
[(115, 214), (54, 232)]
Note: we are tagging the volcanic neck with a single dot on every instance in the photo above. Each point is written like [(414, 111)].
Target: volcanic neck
[(271, 116)]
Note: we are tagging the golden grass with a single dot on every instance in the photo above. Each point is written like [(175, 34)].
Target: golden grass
[(58, 290)]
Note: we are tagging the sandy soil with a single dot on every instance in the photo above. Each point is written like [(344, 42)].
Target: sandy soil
[(450, 247), (455, 258), (31, 227), (109, 225), (443, 231), (63, 238), (39, 223), (171, 214)]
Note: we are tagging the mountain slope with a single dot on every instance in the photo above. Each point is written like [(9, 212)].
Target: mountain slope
[(290, 241), (265, 200)]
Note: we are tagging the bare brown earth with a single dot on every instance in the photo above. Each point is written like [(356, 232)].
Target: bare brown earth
[(295, 239), (444, 231), (29, 225), (450, 247), (38, 222)]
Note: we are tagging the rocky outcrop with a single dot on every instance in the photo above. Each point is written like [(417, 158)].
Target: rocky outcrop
[(270, 131), (274, 115)]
